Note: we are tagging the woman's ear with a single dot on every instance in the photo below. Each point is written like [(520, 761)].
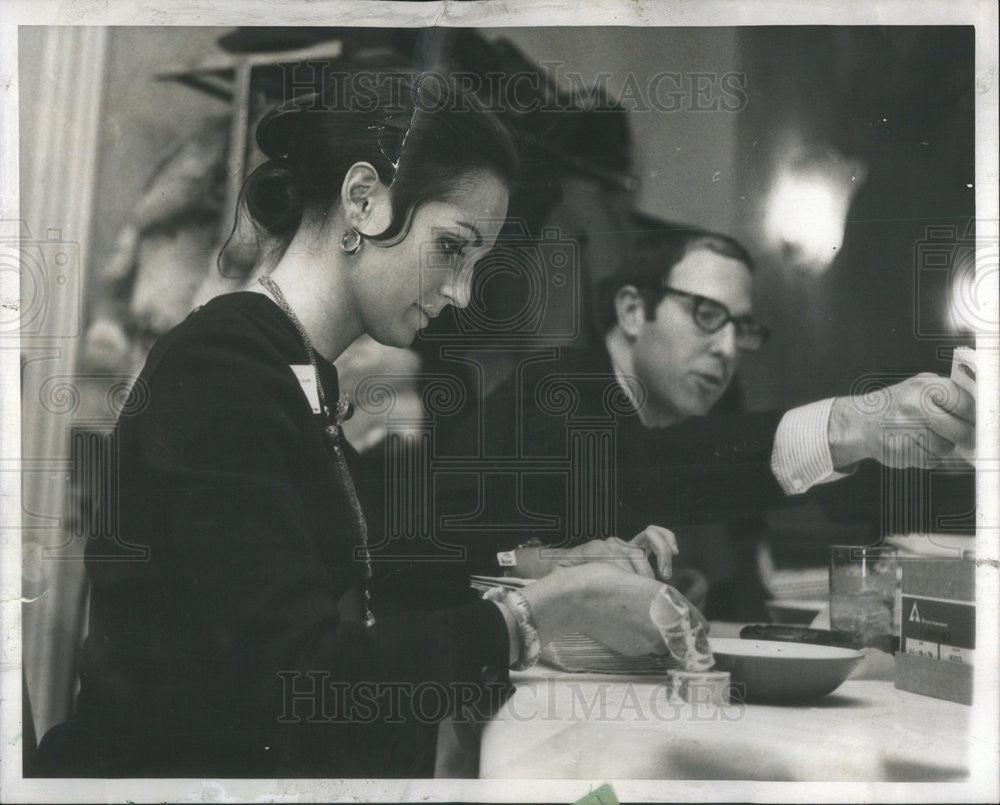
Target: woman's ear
[(366, 201), (630, 310)]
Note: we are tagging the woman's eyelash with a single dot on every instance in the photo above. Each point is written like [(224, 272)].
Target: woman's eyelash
[(450, 246)]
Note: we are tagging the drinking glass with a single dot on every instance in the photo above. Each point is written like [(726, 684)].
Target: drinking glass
[(863, 591)]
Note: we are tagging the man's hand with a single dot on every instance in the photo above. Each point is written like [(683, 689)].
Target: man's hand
[(916, 423)]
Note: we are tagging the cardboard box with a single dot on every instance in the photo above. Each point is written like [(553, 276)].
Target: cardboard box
[(938, 628)]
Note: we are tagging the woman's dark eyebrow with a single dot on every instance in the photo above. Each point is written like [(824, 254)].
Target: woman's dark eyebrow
[(479, 237)]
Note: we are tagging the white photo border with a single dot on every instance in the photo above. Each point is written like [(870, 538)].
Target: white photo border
[(983, 784)]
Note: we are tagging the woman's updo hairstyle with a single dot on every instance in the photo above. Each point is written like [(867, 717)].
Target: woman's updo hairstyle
[(420, 133)]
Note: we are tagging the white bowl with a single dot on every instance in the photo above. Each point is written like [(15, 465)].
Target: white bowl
[(775, 671)]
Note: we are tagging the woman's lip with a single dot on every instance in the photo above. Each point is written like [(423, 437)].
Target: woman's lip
[(709, 380)]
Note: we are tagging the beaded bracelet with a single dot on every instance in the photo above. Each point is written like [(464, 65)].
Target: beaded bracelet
[(531, 644)]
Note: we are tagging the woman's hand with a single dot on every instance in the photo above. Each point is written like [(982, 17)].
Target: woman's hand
[(662, 542), (602, 601), (631, 556)]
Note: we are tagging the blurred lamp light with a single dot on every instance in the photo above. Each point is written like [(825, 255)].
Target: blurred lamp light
[(807, 207), (972, 306)]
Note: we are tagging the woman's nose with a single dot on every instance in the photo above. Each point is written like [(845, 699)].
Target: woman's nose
[(458, 289)]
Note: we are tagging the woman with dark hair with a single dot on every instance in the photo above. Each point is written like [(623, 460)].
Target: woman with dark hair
[(234, 632)]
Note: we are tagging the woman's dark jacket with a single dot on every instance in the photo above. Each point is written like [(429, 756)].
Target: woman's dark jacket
[(216, 646)]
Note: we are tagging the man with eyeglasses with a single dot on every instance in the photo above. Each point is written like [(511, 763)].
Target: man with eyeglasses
[(573, 462), (667, 330), (666, 316)]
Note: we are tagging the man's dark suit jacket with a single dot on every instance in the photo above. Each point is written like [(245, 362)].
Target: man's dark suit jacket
[(557, 452)]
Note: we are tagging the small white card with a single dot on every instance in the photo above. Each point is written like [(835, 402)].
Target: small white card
[(963, 373), (306, 375), (963, 368)]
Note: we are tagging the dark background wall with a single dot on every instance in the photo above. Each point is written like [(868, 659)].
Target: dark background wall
[(899, 99), (685, 158)]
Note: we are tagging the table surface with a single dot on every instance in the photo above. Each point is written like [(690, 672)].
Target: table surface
[(589, 726)]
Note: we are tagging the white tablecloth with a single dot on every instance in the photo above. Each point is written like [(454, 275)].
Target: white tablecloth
[(576, 726)]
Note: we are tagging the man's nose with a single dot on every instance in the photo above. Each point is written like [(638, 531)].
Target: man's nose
[(724, 342)]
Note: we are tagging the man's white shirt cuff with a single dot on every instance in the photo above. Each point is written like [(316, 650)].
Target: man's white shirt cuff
[(801, 455)]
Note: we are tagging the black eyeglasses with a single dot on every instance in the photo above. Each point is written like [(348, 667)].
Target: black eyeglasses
[(711, 316)]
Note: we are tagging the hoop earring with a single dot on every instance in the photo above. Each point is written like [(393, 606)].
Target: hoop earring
[(351, 241)]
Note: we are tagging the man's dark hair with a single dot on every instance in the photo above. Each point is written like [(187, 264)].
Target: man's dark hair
[(652, 259)]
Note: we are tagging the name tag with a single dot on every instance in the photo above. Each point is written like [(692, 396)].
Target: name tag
[(306, 376)]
